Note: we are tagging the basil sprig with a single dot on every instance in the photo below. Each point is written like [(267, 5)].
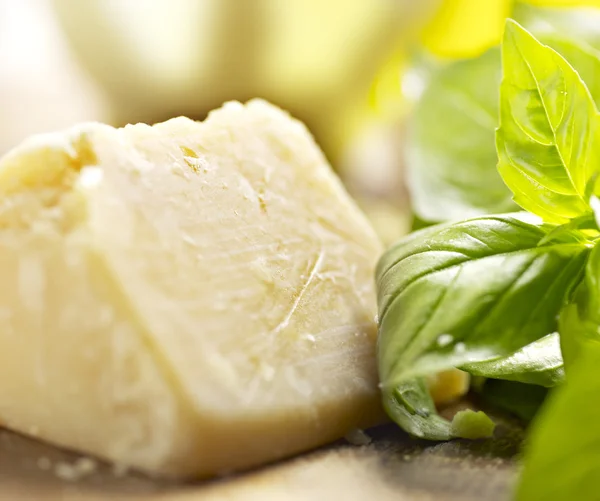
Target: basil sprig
[(451, 162), (484, 295)]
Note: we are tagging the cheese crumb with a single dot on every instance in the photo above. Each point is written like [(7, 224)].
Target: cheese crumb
[(81, 468), (358, 437)]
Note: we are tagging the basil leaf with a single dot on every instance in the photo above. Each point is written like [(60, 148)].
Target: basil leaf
[(410, 405), (519, 399), (582, 229), (418, 223), (548, 129), (460, 293), (562, 455), (579, 322), (450, 153), (538, 363), (580, 24), (584, 58), (565, 442), (574, 33), (454, 176), (470, 291)]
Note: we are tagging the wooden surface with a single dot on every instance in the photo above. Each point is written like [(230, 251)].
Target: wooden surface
[(392, 467)]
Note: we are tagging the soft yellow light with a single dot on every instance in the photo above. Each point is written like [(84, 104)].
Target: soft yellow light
[(385, 96), (465, 28)]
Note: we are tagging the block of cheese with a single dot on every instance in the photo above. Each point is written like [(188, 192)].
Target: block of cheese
[(188, 299)]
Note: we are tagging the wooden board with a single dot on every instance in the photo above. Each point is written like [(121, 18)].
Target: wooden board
[(392, 467)]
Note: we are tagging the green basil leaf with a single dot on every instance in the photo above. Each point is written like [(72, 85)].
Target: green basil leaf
[(539, 362), (451, 157), (470, 291), (418, 223), (519, 399), (461, 293), (580, 24), (582, 229), (562, 455), (580, 55), (565, 441), (574, 33), (548, 134), (453, 176), (410, 406), (579, 322)]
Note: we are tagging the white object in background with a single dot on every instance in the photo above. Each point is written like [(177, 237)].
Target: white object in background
[(160, 58), (41, 87)]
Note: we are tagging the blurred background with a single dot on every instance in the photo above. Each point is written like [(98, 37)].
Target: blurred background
[(351, 69)]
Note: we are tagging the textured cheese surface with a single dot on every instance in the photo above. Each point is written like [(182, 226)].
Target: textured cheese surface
[(189, 298)]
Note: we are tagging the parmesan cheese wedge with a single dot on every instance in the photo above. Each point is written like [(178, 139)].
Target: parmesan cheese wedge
[(188, 299)]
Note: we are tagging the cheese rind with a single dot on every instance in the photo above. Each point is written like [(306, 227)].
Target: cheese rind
[(188, 298)]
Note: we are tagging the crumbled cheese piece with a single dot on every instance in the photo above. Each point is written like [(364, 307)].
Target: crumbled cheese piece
[(358, 437)]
